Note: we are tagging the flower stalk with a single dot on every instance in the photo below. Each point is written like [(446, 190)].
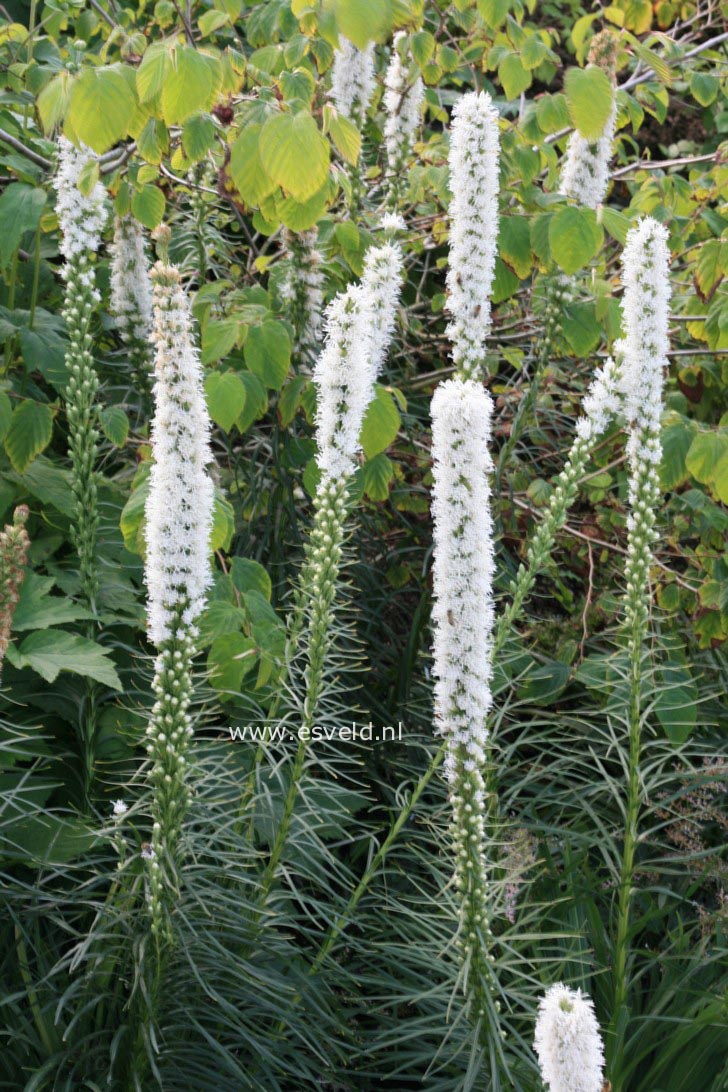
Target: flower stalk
[(585, 172), (352, 87), (403, 96), (131, 296), (568, 1042), (644, 350), (82, 218), (177, 570), (14, 546), (302, 291)]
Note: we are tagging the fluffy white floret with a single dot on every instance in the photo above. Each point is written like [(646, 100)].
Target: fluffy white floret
[(601, 403), (131, 287), (359, 324), (403, 98), (180, 502), (585, 173), (303, 287), (82, 219), (352, 80), (568, 1042), (474, 152), (463, 566)]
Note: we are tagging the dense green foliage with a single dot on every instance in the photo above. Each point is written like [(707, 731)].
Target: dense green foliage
[(313, 939)]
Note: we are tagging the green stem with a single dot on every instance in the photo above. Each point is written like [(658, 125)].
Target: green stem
[(47, 1034), (36, 278)]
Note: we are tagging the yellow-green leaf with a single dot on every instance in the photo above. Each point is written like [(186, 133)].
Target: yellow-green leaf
[(589, 97), (101, 107), (295, 154)]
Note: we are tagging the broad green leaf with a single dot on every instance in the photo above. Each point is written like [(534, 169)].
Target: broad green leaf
[(422, 47), (377, 476), (382, 422), (148, 206), (211, 21), (219, 618), (290, 399), (189, 84), (552, 113), (589, 97), (218, 339), (494, 12), (256, 401), (48, 652), (295, 154), (704, 87), (707, 461), (38, 609), (230, 659), (49, 484), (361, 21), (48, 838), (514, 244), (30, 432), (616, 223), (114, 425), (54, 99), (268, 353), (225, 395), (248, 575), (513, 76), (544, 684), (223, 523), (21, 207), (676, 437), (198, 136), (580, 327), (345, 136), (101, 107), (152, 72), (677, 696), (249, 176), (302, 215), (574, 238)]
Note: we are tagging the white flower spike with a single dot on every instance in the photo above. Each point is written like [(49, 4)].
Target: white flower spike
[(568, 1042), (82, 219), (474, 152), (131, 288), (180, 502), (403, 98), (352, 80)]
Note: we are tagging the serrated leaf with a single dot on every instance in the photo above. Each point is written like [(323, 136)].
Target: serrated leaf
[(38, 609), (377, 476), (114, 425), (250, 576), (218, 339), (704, 87), (198, 136), (513, 76), (268, 353), (382, 422), (148, 205), (225, 395), (101, 107), (230, 659), (514, 243), (249, 176), (345, 136), (189, 84), (256, 401), (21, 207), (295, 154), (574, 238), (589, 98), (53, 100), (48, 652), (6, 413), (361, 21), (30, 432)]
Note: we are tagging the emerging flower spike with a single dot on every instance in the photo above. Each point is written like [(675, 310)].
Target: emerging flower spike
[(352, 80), (14, 546), (82, 219), (359, 325), (568, 1042), (180, 502), (474, 152), (302, 289), (463, 565), (403, 97), (131, 287)]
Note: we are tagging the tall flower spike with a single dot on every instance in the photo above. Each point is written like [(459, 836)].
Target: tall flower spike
[(585, 172), (82, 219), (474, 151), (644, 347), (179, 505), (131, 292), (359, 325), (568, 1042), (302, 290), (178, 523), (352, 80), (463, 565), (403, 98)]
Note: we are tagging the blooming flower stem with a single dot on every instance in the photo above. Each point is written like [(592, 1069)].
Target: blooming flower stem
[(14, 546), (352, 87), (177, 570), (568, 1042), (302, 290), (82, 219), (644, 350), (131, 297), (403, 97)]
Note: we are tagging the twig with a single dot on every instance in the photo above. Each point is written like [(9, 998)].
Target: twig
[(34, 157)]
